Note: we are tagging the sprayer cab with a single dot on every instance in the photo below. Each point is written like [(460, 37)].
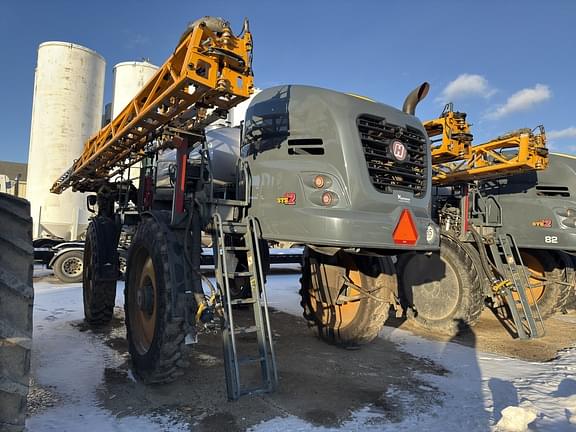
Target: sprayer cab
[(336, 170)]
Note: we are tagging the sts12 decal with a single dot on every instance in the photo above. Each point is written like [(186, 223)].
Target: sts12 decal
[(542, 223), (289, 198)]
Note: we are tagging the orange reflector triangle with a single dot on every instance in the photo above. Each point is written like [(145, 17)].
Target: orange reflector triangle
[(405, 231)]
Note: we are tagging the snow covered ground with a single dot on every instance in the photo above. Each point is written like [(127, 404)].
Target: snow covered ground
[(71, 363)]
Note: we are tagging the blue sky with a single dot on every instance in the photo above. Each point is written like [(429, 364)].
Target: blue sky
[(509, 64)]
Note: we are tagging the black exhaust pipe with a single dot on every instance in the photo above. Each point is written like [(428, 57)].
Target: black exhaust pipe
[(415, 97)]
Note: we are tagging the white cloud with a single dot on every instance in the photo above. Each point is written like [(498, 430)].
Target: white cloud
[(569, 132), (466, 85), (522, 100)]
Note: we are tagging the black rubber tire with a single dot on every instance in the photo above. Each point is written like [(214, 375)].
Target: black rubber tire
[(377, 276), (443, 291), (555, 295), (16, 303), (161, 361), (99, 295), (60, 263), (569, 262)]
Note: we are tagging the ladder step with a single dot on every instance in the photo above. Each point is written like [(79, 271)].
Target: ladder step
[(233, 229), (229, 227), (249, 360), (236, 248), (233, 275), (243, 301)]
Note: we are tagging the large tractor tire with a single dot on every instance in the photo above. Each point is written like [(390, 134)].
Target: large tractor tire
[(358, 318), (68, 266), (443, 289), (544, 266), (569, 263), (99, 290), (16, 300), (155, 271)]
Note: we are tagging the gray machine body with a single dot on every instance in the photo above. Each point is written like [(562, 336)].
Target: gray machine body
[(293, 133), (539, 207)]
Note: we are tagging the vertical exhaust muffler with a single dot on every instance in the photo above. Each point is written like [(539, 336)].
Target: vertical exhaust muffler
[(415, 97)]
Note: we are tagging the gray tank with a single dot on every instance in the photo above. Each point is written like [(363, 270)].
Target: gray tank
[(223, 148), (331, 169)]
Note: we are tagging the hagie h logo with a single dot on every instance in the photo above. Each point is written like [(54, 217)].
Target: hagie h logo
[(399, 150)]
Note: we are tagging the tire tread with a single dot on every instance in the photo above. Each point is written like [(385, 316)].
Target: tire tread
[(16, 303)]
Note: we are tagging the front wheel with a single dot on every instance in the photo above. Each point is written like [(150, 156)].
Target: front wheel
[(155, 271), (444, 289), (345, 297)]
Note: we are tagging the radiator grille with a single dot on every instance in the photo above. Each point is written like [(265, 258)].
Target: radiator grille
[(386, 172)]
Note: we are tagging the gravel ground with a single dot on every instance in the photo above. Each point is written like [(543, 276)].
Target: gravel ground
[(407, 379)]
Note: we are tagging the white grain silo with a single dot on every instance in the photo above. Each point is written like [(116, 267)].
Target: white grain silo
[(129, 78), (66, 111)]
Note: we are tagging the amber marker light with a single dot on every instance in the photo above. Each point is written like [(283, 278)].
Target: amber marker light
[(319, 182), (329, 199)]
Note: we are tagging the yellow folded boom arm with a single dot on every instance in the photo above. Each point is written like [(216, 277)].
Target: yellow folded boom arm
[(455, 159), (210, 70)]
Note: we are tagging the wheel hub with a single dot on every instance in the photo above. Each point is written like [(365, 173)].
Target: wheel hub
[(72, 266), (145, 297), (142, 302), (341, 315)]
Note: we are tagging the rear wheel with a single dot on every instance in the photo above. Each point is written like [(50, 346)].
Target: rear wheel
[(546, 273), (99, 290), (16, 299), (443, 289), (68, 266), (341, 312), (155, 269)]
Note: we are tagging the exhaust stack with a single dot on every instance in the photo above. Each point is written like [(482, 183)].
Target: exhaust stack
[(415, 97)]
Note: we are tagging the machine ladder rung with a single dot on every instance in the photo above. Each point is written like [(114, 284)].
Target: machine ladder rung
[(523, 308), (232, 246)]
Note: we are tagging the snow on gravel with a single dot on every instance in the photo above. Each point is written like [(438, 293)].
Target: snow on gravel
[(476, 391), (72, 363)]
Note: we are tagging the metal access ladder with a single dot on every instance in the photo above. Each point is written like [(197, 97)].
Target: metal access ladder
[(240, 239), (527, 318)]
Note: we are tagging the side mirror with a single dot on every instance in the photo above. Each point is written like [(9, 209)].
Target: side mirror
[(91, 201)]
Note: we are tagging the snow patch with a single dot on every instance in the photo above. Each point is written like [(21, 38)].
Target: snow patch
[(72, 362), (516, 419)]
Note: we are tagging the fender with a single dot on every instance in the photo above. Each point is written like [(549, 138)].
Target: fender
[(63, 250)]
